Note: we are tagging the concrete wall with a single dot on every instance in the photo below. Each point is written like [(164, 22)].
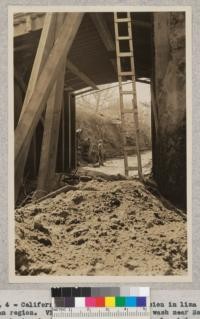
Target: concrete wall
[(169, 140)]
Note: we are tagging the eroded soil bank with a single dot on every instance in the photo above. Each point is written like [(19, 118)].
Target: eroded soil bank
[(102, 228)]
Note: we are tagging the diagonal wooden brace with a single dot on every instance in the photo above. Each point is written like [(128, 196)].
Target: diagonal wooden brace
[(35, 106)]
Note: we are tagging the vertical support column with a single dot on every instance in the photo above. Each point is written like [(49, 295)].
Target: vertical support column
[(73, 132), (66, 156), (67, 133), (51, 127), (63, 154)]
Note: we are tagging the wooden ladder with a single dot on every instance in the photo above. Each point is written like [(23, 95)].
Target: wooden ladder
[(123, 75)]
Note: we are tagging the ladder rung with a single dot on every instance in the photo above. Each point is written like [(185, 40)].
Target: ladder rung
[(124, 37), (129, 148), (126, 73), (122, 20), (125, 54), (132, 168), (127, 92)]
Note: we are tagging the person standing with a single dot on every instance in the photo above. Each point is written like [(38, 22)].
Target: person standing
[(100, 152)]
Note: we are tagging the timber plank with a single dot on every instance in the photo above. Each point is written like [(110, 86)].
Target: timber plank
[(36, 104)]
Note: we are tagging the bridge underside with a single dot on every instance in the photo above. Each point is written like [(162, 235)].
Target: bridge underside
[(58, 55)]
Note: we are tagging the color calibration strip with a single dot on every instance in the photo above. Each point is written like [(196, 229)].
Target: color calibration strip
[(99, 291), (101, 302), (106, 302)]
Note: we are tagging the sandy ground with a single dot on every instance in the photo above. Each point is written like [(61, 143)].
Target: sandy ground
[(116, 166), (102, 228)]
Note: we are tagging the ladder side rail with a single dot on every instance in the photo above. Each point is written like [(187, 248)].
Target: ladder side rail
[(135, 108)]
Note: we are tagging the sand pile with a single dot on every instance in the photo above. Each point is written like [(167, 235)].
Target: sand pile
[(103, 228)]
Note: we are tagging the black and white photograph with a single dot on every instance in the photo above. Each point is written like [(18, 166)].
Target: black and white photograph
[(100, 142)]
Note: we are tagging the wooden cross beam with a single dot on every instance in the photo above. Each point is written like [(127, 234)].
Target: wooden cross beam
[(44, 47), (80, 75), (43, 86), (103, 31), (104, 34)]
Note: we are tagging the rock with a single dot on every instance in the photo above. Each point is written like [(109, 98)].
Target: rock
[(94, 261), (38, 224), (40, 270), (131, 212), (78, 232), (162, 235), (98, 210), (133, 237), (115, 202), (74, 221), (20, 233), (113, 216), (130, 265), (64, 213), (85, 178), (21, 258), (103, 233), (113, 226), (167, 257), (24, 270), (79, 242), (149, 225), (77, 199), (157, 215), (19, 219), (158, 222), (44, 241), (108, 250), (118, 256), (118, 222)]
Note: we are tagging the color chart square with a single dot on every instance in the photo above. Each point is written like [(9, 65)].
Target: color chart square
[(59, 302), (69, 302), (110, 302), (79, 302), (100, 302), (120, 302), (130, 301), (90, 302), (141, 302)]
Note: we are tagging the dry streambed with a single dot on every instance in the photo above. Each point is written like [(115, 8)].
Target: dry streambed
[(103, 228)]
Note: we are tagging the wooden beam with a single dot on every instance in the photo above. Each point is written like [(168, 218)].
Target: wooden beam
[(105, 35), (51, 127), (103, 31), (70, 66), (143, 81), (27, 22), (73, 161), (46, 79), (44, 46), (83, 92)]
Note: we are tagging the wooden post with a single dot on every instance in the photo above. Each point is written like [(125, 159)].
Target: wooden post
[(45, 44), (67, 133), (51, 128), (66, 159), (73, 163), (46, 79)]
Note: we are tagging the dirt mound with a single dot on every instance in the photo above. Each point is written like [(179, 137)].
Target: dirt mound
[(103, 228)]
